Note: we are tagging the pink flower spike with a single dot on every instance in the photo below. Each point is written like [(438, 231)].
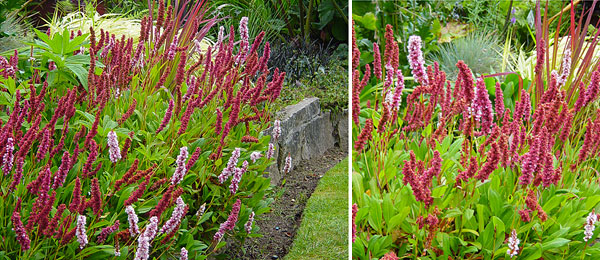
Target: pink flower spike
[(167, 117), (237, 177), (180, 170), (80, 233), (172, 49), (229, 169), (132, 218), (63, 169), (271, 151), (482, 107), (376, 61), (113, 147), (19, 229), (8, 157), (288, 164), (513, 244), (255, 156), (354, 211), (107, 231), (183, 254), (276, 129), (230, 223), (248, 225), (415, 59), (397, 99), (176, 217)]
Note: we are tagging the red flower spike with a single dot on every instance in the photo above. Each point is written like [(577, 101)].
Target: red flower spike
[(364, 136)]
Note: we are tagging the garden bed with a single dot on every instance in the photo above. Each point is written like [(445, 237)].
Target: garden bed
[(280, 225)]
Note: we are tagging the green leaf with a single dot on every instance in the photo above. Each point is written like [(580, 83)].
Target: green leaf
[(79, 59), (532, 252), (498, 224), (76, 43), (591, 202), (480, 218), (553, 202), (555, 243), (453, 213), (80, 72), (495, 202), (399, 218), (326, 12), (42, 36), (375, 215), (368, 21)]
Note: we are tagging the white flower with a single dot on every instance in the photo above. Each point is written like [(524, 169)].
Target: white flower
[(230, 168), (113, 147), (221, 36), (244, 45), (271, 152), (80, 232), (248, 225), (255, 156), (288, 164), (276, 129), (566, 68), (180, 170), (513, 244), (176, 216), (184, 254), (133, 221), (589, 227)]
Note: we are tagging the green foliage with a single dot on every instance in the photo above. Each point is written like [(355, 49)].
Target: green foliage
[(13, 32), (471, 218), (108, 90), (14, 27), (480, 50), (117, 24), (263, 15), (324, 76), (59, 49), (286, 20), (8, 9), (413, 17), (131, 8)]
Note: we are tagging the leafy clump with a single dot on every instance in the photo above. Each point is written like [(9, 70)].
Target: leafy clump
[(479, 50), (114, 146), (441, 171)]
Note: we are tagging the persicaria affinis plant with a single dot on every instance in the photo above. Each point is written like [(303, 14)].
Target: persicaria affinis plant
[(96, 140)]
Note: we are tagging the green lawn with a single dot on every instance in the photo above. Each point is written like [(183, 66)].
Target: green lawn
[(323, 233)]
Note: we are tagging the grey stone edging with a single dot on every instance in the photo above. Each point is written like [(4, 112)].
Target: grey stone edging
[(307, 132)]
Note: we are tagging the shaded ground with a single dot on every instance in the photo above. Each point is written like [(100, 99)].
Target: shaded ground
[(280, 225), (323, 233)]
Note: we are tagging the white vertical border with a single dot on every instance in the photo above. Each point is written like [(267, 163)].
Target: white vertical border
[(350, 129)]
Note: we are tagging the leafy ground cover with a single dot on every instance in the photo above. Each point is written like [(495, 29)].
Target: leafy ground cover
[(135, 148), (475, 168)]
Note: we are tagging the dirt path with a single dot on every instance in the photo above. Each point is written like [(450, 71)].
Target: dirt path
[(280, 225)]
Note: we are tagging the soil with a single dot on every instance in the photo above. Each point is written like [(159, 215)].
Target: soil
[(279, 226)]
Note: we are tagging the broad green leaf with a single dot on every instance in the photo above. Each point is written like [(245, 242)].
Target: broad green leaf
[(555, 243)]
